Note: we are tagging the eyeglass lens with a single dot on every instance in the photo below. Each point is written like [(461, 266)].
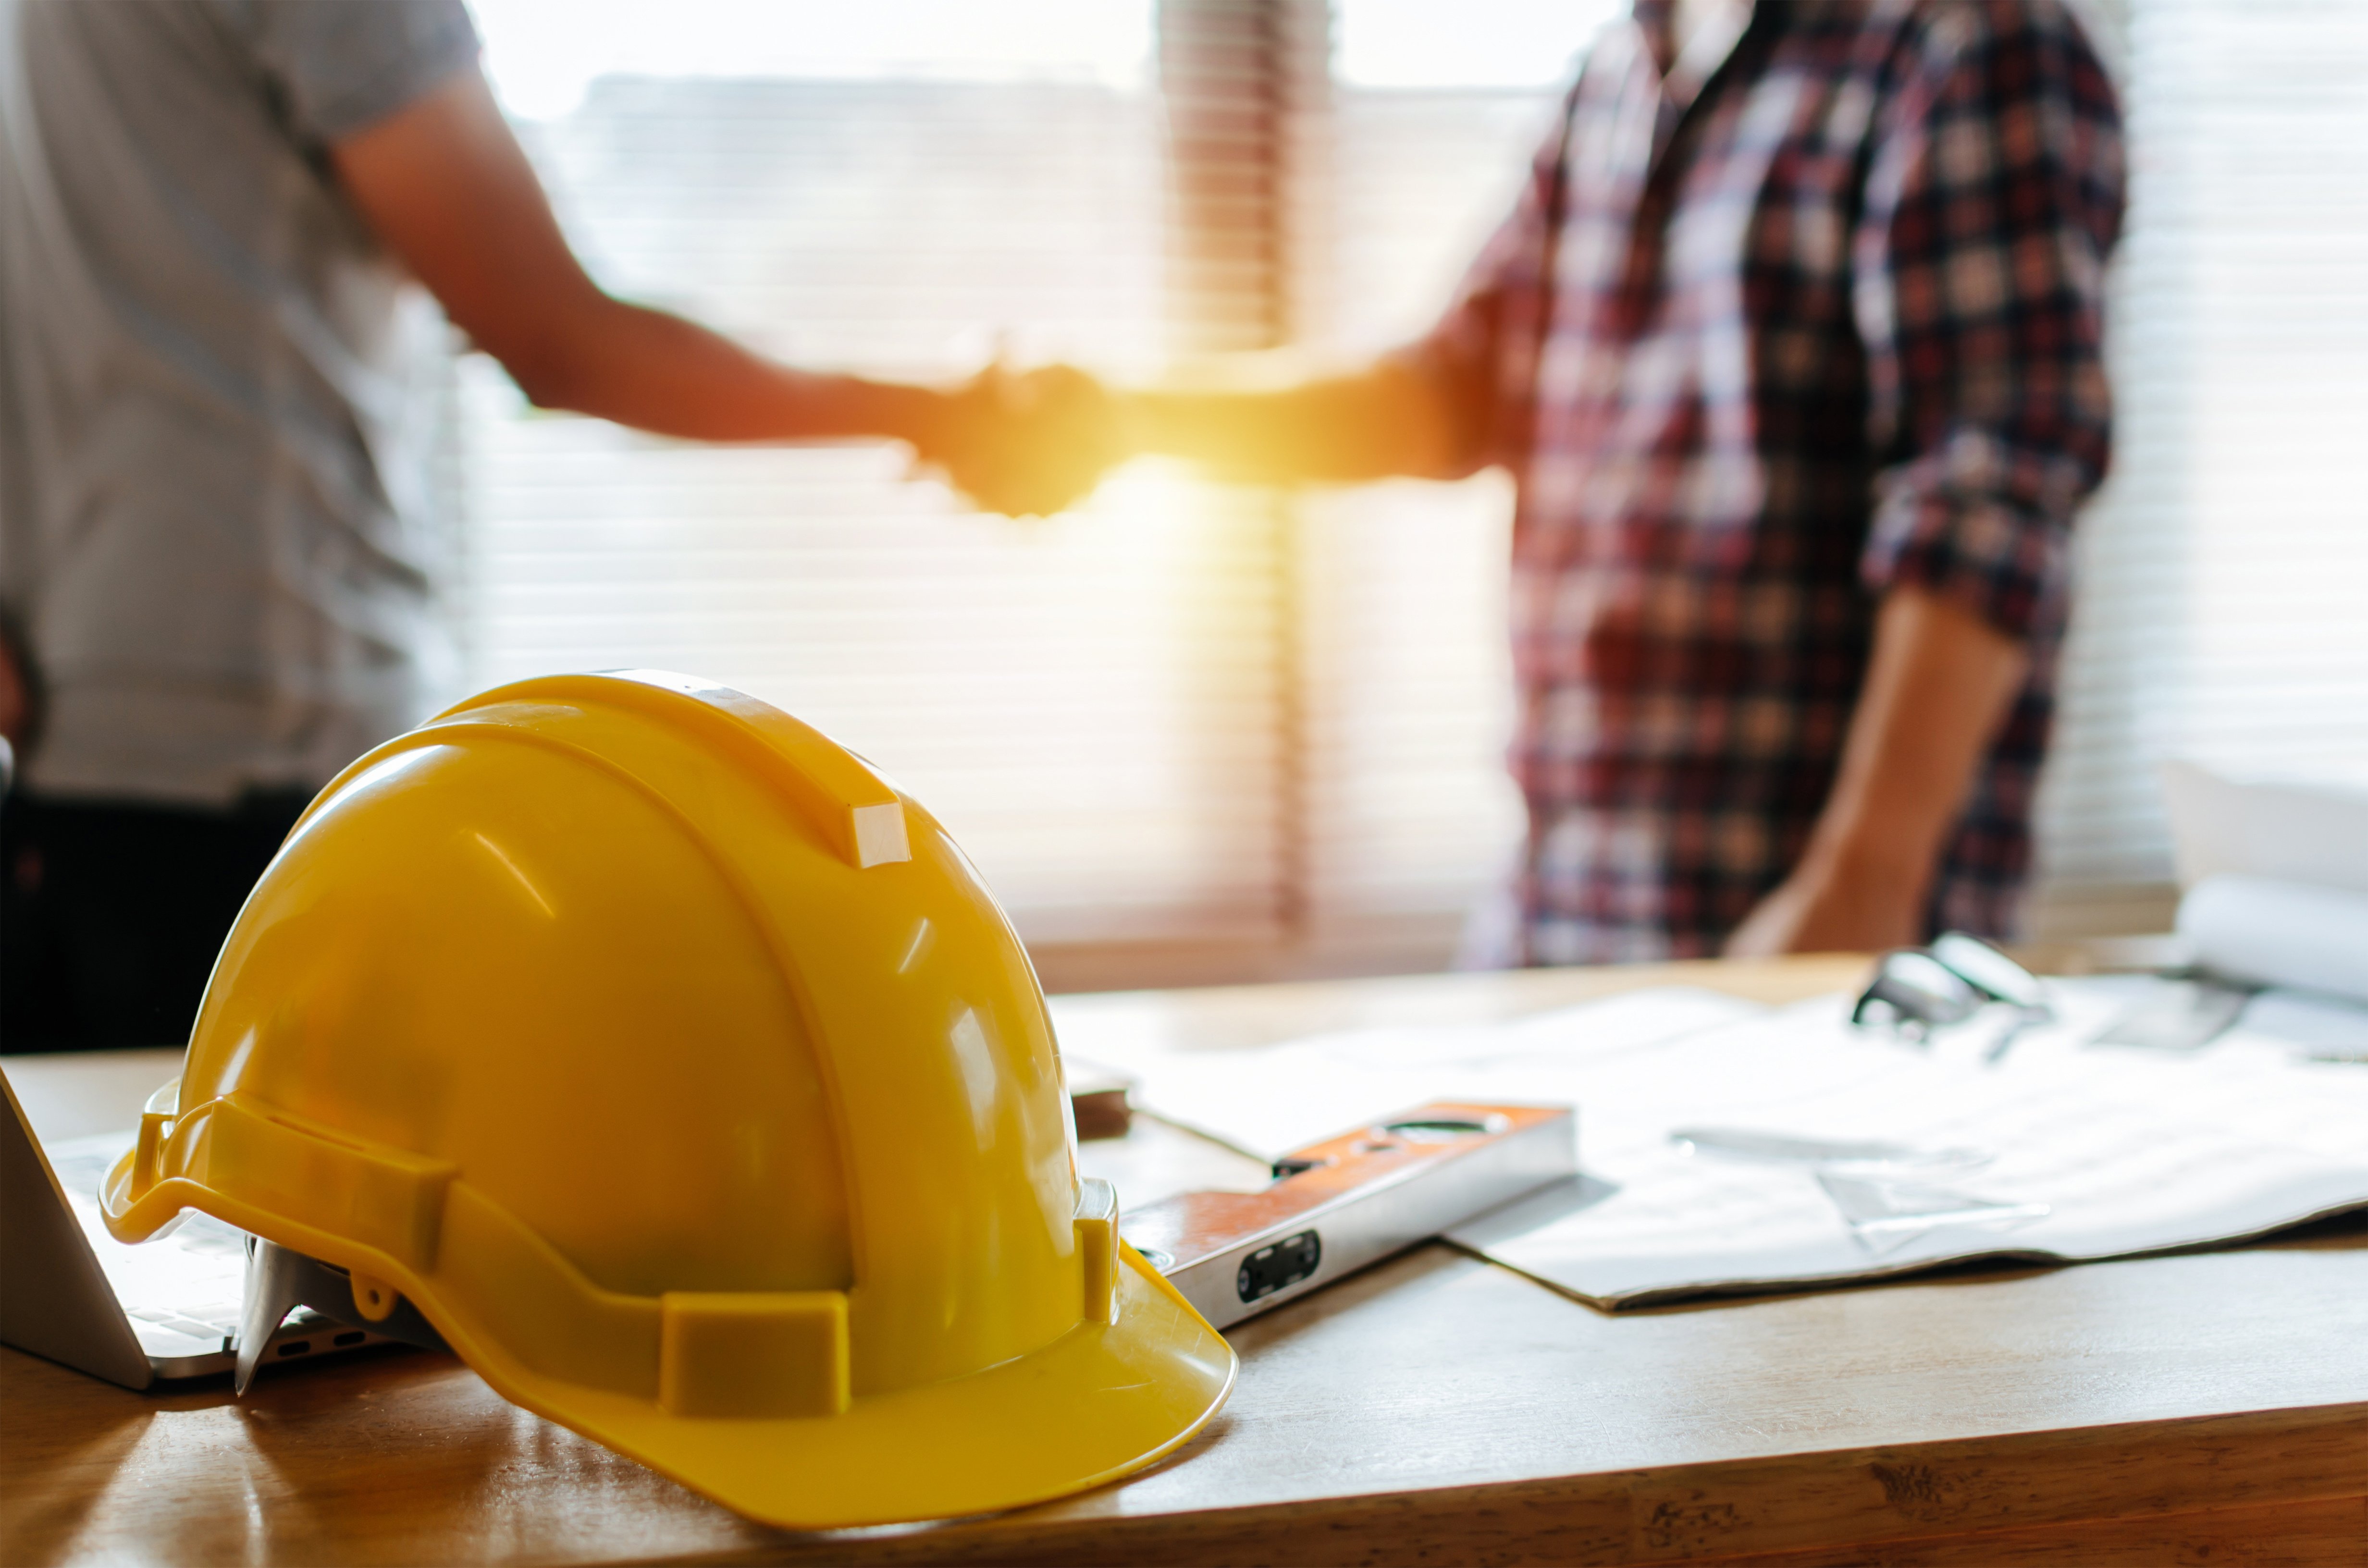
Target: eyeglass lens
[(1988, 970), (1918, 989)]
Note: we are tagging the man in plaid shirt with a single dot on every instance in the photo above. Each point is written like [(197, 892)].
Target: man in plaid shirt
[(1793, 343)]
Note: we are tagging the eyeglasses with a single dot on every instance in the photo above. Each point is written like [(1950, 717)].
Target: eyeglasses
[(1917, 990)]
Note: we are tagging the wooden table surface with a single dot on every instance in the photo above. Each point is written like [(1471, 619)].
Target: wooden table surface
[(2208, 1408)]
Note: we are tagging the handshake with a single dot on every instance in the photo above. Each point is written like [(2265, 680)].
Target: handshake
[(1026, 443)]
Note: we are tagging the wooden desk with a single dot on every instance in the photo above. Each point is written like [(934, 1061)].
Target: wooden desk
[(2210, 1408)]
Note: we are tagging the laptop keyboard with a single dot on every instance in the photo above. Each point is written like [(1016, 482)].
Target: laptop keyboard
[(211, 1326)]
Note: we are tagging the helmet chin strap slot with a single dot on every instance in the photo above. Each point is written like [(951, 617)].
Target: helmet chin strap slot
[(1097, 1230), (754, 1353)]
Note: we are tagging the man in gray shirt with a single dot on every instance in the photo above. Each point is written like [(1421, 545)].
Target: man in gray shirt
[(218, 551)]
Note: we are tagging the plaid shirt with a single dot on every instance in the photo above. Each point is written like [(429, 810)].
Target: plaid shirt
[(1827, 325)]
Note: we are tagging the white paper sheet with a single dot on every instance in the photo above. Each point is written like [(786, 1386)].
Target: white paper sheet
[(2275, 873), (2095, 1152), (1268, 1101), (2279, 933)]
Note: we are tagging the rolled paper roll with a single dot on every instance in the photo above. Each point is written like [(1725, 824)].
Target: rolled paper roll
[(2274, 932)]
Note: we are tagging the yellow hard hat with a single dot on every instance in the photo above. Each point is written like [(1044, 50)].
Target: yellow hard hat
[(686, 1078)]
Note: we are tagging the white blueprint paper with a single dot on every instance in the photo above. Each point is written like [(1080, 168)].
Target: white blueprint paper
[(2092, 1151)]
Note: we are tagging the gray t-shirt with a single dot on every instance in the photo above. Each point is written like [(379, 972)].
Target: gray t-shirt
[(217, 391)]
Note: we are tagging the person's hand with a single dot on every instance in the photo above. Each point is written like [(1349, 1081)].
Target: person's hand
[(1026, 443), (1836, 905)]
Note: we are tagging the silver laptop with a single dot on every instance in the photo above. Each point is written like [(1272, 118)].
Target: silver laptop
[(135, 1315)]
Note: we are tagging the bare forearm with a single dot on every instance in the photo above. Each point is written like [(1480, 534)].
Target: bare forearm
[(1382, 422), (446, 187), (672, 376), (1937, 686)]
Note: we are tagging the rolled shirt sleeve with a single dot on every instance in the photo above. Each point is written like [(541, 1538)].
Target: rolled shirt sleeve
[(1978, 279), (343, 65)]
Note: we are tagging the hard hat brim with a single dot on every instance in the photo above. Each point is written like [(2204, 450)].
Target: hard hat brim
[(984, 1444), (999, 1438)]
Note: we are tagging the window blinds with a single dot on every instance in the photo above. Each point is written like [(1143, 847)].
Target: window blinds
[(1381, 185), (1433, 115), (1411, 814), (2222, 609)]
